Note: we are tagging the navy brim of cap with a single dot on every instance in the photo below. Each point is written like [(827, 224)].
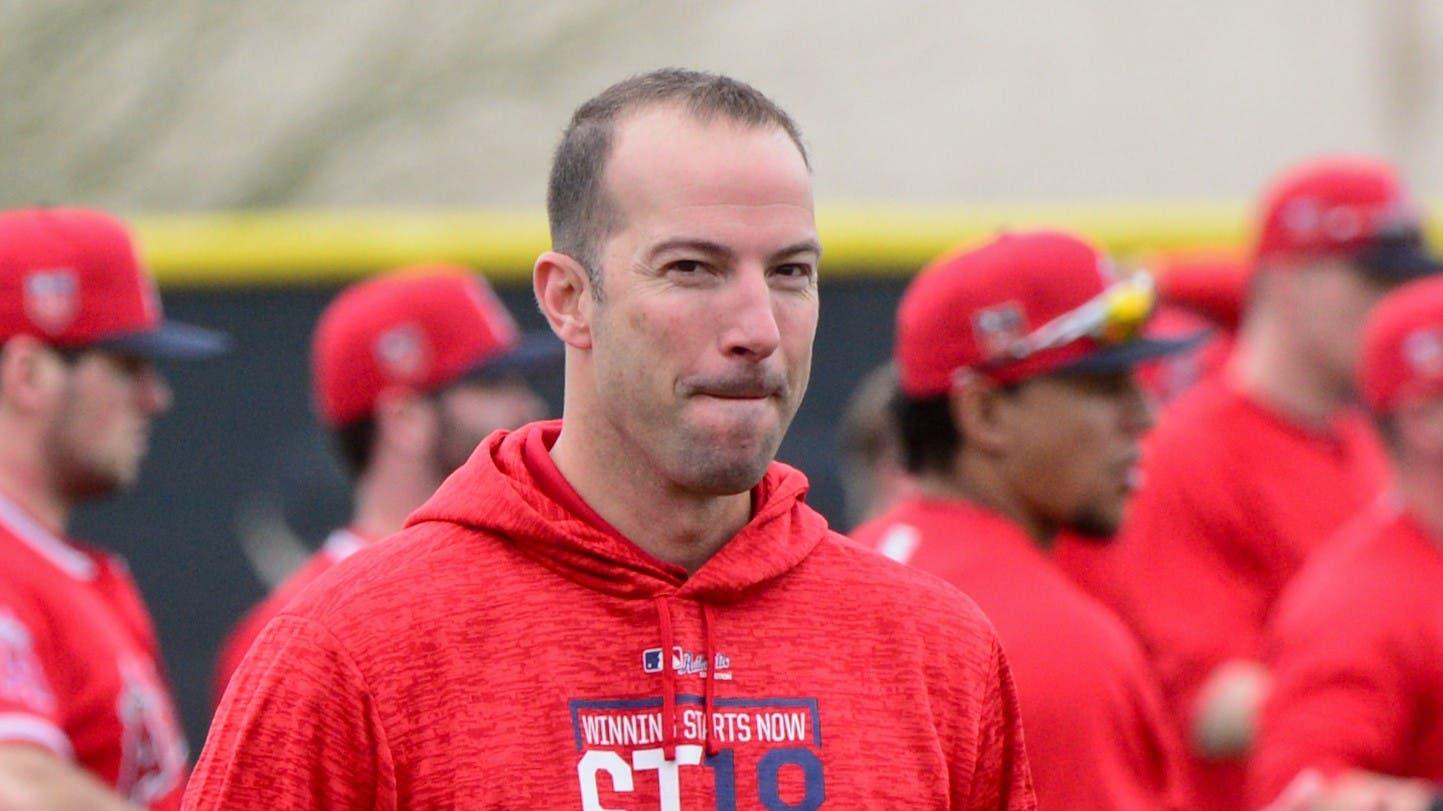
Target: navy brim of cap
[(537, 353), (1125, 356), (1400, 260), (171, 341)]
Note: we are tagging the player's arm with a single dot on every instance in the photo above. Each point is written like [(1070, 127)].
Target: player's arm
[(1000, 779), (34, 779), (1340, 701), (297, 728)]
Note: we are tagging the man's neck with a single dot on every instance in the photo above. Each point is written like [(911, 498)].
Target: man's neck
[(29, 488), (668, 522), (386, 496), (979, 483)]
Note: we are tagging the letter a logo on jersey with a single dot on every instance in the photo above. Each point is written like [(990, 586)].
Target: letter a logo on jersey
[(52, 299)]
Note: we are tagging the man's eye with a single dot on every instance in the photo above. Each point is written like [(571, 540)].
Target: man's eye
[(794, 270), (687, 266)]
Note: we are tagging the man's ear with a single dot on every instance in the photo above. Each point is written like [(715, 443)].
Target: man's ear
[(27, 373), (563, 292), (978, 407)]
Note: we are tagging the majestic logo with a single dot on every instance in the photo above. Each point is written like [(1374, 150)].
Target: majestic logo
[(685, 663), (52, 299), (402, 353), (998, 329)]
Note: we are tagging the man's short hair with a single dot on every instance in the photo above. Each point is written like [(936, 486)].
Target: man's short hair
[(354, 442), (929, 439), (580, 215)]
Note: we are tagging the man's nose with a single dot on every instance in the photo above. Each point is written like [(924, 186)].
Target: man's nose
[(154, 392), (749, 315)]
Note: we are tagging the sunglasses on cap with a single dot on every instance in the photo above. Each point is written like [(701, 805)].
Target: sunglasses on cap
[(1114, 316)]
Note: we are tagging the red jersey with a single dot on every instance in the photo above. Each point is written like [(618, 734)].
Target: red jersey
[(1234, 498), (1353, 648), (510, 650), (80, 671), (1098, 737), (340, 545)]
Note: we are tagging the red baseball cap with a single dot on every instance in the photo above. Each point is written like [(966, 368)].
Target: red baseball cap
[(1345, 206), (1403, 346), (73, 278), (419, 327), (1024, 304)]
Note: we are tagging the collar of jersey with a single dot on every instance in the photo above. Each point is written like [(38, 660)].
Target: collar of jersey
[(45, 543)]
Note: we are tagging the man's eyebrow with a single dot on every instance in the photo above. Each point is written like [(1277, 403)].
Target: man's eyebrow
[(805, 246), (686, 244)]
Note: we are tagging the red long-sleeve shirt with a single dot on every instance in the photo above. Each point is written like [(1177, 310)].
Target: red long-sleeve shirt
[(1354, 650), (509, 650)]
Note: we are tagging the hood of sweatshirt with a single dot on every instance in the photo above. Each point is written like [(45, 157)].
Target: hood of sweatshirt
[(499, 491), (511, 490)]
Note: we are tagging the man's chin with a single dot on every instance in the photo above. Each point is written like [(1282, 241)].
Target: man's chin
[(1094, 529)]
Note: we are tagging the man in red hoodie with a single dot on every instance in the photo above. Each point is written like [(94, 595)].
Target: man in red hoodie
[(634, 608), (1020, 417), (411, 370), (1353, 645)]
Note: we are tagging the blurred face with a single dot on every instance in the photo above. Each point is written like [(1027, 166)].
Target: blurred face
[(1331, 302), (702, 340), (1074, 449), (470, 411), (100, 430)]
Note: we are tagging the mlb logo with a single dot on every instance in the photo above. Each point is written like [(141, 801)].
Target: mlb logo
[(52, 298), (402, 354), (998, 329), (651, 661)]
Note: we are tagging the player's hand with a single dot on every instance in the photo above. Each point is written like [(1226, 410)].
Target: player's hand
[(1227, 709), (1355, 791)]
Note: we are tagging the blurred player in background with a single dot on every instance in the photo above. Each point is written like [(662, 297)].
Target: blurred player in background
[(634, 607), (1250, 471), (411, 371), (873, 477), (86, 716), (1354, 646), (1020, 417)]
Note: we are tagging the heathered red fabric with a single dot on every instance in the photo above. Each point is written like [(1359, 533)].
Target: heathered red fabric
[(339, 546), (1234, 498), (80, 671), (1098, 736), (496, 654), (1353, 647)]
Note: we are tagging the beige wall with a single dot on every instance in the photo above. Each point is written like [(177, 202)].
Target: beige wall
[(174, 104)]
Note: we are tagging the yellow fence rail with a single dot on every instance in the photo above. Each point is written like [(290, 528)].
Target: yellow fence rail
[(301, 247)]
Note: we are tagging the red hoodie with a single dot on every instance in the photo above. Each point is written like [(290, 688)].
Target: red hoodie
[(506, 651)]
